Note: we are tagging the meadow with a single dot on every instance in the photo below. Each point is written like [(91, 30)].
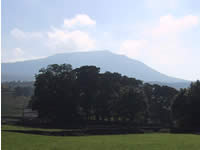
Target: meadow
[(149, 141)]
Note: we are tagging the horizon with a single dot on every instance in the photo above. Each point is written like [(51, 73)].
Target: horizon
[(163, 35)]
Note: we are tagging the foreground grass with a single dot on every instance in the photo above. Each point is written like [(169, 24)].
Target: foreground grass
[(19, 141)]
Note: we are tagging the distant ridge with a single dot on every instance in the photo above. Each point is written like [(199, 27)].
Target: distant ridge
[(106, 60)]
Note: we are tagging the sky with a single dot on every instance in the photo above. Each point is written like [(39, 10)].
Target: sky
[(164, 35)]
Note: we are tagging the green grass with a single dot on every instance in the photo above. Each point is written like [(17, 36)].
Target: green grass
[(19, 141)]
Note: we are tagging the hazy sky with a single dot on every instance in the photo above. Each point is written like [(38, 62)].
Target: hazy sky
[(164, 34)]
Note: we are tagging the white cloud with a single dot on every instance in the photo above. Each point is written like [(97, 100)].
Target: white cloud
[(165, 39), (63, 40), (18, 52), (132, 48), (162, 46), (170, 25), (21, 35), (12, 55), (79, 20), (18, 34), (72, 37), (66, 38)]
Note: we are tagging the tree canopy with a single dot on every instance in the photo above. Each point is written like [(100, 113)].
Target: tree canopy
[(65, 95), (186, 106)]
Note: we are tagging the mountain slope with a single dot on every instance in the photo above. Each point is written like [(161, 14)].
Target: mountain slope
[(106, 60)]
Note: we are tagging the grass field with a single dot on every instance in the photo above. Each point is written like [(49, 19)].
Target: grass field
[(20, 141)]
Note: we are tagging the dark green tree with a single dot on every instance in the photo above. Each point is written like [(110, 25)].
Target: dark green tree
[(159, 101), (54, 95), (186, 106), (87, 82), (131, 105)]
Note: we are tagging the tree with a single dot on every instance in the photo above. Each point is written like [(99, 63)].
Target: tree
[(186, 106), (63, 95), (131, 105), (159, 101), (87, 79), (54, 94), (108, 95), (179, 108)]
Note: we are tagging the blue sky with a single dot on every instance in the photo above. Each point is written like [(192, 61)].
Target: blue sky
[(162, 34)]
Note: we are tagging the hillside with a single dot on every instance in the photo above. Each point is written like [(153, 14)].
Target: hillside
[(107, 61)]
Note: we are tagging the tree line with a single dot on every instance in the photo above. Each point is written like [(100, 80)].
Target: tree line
[(64, 95)]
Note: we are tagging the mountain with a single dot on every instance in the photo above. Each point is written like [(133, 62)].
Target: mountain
[(176, 85), (107, 61)]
